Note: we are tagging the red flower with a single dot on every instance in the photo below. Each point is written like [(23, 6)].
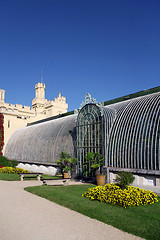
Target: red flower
[(1, 133)]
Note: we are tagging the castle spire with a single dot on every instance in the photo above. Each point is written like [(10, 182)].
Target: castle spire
[(42, 76)]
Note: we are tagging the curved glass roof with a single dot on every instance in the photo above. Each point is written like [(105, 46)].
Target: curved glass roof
[(43, 142), (129, 135), (132, 136)]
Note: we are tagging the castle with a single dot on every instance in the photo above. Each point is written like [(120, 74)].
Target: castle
[(17, 116)]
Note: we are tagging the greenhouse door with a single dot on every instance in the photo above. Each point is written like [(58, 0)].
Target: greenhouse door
[(89, 135)]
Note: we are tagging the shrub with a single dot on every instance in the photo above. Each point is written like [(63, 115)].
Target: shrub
[(66, 162), (114, 195), (9, 170), (14, 163), (5, 162), (124, 179), (93, 162)]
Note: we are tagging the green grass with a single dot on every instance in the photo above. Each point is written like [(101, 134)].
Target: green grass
[(9, 177), (143, 221), (16, 177), (50, 177)]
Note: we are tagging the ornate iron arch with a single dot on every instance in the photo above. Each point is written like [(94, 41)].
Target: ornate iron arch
[(89, 134)]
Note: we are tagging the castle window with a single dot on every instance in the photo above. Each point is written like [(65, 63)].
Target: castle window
[(9, 123)]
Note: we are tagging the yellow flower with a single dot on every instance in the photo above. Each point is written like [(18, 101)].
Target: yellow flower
[(112, 194)]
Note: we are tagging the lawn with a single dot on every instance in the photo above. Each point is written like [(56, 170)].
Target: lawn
[(143, 221), (16, 177), (9, 177)]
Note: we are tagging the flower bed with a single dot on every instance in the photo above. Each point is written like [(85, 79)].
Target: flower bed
[(12, 170), (114, 195)]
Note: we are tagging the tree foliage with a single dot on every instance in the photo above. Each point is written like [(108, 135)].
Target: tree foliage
[(124, 179)]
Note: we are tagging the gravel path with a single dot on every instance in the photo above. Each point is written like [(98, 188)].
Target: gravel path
[(24, 216)]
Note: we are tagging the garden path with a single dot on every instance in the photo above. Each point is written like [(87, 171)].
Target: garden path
[(29, 217)]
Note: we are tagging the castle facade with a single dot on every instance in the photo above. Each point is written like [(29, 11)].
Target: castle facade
[(17, 116)]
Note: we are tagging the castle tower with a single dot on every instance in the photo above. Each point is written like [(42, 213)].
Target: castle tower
[(40, 90), (2, 95), (39, 100)]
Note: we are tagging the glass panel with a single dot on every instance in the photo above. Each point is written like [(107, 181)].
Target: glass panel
[(89, 126)]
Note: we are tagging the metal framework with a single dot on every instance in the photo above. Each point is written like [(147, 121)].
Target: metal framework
[(43, 142), (127, 134), (89, 133), (133, 141)]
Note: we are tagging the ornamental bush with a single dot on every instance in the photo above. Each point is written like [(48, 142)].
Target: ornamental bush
[(124, 179), (9, 170), (5, 162), (66, 162), (114, 195)]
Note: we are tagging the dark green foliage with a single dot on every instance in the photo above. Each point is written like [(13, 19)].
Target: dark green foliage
[(94, 161), (66, 163), (14, 163), (124, 179), (5, 162)]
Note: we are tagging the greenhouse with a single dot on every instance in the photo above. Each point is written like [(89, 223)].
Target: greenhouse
[(41, 143), (126, 132)]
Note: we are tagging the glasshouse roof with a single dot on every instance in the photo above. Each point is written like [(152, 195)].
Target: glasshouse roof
[(42, 143), (126, 132)]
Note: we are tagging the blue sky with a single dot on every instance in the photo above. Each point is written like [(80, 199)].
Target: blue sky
[(107, 48)]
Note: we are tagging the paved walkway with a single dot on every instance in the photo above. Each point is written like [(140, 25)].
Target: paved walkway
[(24, 216), (151, 188)]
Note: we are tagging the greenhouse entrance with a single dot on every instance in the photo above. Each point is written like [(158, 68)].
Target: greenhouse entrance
[(89, 135)]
